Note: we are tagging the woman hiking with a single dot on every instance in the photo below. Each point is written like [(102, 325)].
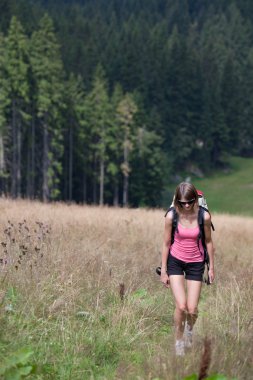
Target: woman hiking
[(183, 261)]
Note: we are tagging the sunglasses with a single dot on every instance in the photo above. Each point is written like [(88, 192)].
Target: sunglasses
[(187, 202)]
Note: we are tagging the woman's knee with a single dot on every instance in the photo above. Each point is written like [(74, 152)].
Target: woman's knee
[(182, 307), (192, 310)]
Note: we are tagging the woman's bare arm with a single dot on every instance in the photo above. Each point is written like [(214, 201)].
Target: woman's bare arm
[(166, 247), (209, 244)]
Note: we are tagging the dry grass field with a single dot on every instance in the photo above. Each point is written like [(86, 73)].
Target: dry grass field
[(78, 288)]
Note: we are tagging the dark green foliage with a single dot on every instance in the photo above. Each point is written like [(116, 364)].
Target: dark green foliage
[(146, 184), (68, 70), (15, 65), (245, 131), (47, 71)]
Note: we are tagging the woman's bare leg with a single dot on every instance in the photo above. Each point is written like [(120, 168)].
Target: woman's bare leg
[(193, 294), (177, 285)]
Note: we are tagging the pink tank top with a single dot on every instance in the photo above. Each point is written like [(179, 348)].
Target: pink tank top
[(185, 246)]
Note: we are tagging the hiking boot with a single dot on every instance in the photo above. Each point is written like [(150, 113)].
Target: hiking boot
[(179, 348), (187, 336)]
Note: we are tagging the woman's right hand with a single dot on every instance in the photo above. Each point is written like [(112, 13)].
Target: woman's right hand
[(165, 280)]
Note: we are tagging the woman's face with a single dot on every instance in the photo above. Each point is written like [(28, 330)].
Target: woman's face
[(186, 204)]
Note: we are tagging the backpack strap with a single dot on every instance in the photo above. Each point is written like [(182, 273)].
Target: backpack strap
[(206, 209), (174, 222), (201, 225), (201, 222)]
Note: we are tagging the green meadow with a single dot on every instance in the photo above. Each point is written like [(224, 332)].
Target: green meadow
[(230, 191)]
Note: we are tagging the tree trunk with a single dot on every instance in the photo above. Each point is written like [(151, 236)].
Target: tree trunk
[(28, 171), (126, 174), (94, 181), (66, 170), (45, 164), (2, 164), (70, 162), (84, 188), (125, 191), (215, 154), (116, 194), (32, 174), (14, 152), (101, 181), (19, 142)]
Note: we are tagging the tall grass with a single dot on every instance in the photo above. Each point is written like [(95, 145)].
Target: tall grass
[(78, 288)]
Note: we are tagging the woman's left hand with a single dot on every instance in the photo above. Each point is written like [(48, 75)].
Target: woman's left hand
[(211, 275)]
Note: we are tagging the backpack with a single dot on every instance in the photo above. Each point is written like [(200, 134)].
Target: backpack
[(202, 209)]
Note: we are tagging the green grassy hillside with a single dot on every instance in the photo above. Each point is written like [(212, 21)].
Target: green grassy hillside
[(230, 192)]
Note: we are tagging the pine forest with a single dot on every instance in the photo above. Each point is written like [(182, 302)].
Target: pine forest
[(109, 101)]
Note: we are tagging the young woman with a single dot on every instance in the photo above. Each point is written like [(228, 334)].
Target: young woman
[(184, 260)]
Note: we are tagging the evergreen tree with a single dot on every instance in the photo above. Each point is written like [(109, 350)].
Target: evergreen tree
[(149, 170), (156, 69), (4, 103), (179, 136), (47, 70), (98, 119), (238, 38), (216, 132), (74, 100), (125, 112), (114, 145), (232, 104), (16, 63), (245, 133), (5, 14), (178, 15)]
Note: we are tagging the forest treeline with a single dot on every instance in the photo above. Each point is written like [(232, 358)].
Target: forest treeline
[(106, 101)]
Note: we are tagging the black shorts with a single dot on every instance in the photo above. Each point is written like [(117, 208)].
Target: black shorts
[(192, 271)]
